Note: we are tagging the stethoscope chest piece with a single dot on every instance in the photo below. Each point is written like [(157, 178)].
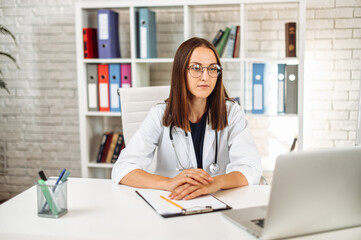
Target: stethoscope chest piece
[(214, 168)]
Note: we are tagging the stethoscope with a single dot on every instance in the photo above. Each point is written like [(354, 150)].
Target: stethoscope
[(213, 167)]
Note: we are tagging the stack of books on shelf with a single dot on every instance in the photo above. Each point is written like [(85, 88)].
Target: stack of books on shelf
[(103, 81), (227, 42), (111, 145)]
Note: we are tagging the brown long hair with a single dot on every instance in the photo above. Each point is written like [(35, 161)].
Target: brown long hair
[(177, 110)]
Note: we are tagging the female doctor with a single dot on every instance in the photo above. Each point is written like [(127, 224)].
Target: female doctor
[(202, 136)]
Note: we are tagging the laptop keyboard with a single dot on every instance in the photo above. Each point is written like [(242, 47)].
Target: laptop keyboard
[(259, 222)]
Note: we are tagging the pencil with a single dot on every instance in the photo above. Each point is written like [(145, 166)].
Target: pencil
[(171, 202)]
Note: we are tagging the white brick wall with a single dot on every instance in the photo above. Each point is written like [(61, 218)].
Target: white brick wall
[(39, 119), (331, 94)]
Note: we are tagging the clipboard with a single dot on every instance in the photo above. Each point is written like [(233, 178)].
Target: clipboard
[(160, 202)]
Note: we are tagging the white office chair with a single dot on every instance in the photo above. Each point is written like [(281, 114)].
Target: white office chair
[(135, 104)]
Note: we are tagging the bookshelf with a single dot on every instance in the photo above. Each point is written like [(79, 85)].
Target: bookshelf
[(261, 40)]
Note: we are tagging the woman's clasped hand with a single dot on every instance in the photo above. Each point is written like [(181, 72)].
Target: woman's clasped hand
[(191, 183)]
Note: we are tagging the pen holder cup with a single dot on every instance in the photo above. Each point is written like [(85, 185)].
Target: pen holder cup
[(52, 198)]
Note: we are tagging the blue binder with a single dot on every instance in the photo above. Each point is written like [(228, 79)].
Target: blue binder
[(108, 34), (114, 84), (147, 34), (258, 88), (281, 88)]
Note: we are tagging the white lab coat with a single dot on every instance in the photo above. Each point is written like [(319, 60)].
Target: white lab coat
[(236, 148)]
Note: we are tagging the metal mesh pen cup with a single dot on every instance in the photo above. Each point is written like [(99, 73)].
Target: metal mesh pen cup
[(52, 198)]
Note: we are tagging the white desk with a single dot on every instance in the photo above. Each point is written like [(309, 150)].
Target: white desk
[(100, 209)]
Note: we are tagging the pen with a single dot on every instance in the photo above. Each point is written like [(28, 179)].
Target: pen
[(65, 176), (59, 178), (63, 179), (42, 175), (170, 201)]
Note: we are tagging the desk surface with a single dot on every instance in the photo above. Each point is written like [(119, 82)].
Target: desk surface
[(100, 209)]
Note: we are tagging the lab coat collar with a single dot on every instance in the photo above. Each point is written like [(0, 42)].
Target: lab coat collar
[(191, 153)]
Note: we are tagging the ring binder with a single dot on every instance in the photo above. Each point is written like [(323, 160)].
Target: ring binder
[(204, 210)]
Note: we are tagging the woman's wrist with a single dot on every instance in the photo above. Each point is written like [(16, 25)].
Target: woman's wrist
[(218, 182), (230, 180), (164, 184)]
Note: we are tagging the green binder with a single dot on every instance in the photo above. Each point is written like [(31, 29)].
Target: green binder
[(222, 43)]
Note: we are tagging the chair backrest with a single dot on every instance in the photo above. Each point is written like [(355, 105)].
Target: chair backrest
[(135, 104)]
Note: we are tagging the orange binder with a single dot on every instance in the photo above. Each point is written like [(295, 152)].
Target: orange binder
[(103, 83)]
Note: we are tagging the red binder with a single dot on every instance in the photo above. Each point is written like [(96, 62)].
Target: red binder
[(103, 83), (90, 43)]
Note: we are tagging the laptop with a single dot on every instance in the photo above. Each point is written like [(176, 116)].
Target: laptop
[(312, 192)]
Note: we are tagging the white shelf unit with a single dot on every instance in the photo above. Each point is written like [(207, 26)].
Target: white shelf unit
[(187, 24)]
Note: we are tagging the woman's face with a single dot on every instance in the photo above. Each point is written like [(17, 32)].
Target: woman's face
[(201, 86)]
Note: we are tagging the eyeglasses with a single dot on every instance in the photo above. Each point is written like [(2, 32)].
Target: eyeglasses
[(196, 70)]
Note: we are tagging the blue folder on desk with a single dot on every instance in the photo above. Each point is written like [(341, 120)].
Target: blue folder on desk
[(147, 34), (108, 34), (114, 84)]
